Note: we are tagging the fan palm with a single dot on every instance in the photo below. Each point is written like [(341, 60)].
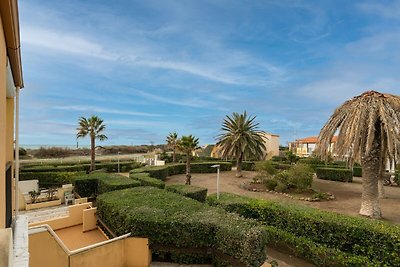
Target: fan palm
[(93, 127), (369, 133), (188, 144), (172, 141), (240, 139)]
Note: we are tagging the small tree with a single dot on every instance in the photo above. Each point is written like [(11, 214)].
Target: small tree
[(172, 142), (188, 144), (93, 127)]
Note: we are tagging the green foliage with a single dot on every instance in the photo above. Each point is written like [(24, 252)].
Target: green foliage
[(378, 241), (146, 180), (270, 184), (300, 177), (292, 158), (248, 166), (281, 187), (79, 167), (278, 158), (190, 191), (341, 175), (90, 185), (49, 179), (161, 172), (357, 171), (173, 221), (266, 167), (397, 178)]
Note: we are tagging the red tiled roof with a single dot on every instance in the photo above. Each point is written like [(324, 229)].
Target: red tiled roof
[(313, 140)]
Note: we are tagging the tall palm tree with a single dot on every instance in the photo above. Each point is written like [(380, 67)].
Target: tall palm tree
[(240, 139), (172, 141), (93, 127), (369, 133), (188, 144)]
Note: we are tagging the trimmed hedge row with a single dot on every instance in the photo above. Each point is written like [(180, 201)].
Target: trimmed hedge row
[(319, 254), (161, 172), (397, 178), (357, 171), (341, 175), (49, 179), (378, 241), (146, 180), (108, 166), (248, 166), (183, 227), (90, 185), (194, 192)]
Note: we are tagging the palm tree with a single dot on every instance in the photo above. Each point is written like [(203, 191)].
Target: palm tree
[(172, 141), (93, 127), (369, 133), (240, 139), (188, 144)]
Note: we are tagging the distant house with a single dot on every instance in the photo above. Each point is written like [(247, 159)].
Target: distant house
[(271, 142), (305, 147)]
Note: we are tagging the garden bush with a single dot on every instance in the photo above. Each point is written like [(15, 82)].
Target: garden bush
[(177, 224), (378, 241), (190, 191), (357, 171), (108, 166), (146, 180), (161, 172), (90, 185), (300, 177), (270, 184), (248, 166), (341, 175), (397, 177), (49, 179), (266, 167)]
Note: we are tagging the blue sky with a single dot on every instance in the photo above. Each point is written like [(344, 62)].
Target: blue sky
[(152, 67)]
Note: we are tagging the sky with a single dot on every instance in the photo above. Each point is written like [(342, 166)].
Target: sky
[(153, 67)]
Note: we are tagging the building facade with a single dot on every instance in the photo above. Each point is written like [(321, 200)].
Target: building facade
[(305, 147)]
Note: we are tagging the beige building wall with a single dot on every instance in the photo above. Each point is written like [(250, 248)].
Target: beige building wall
[(271, 142), (3, 127), (45, 251)]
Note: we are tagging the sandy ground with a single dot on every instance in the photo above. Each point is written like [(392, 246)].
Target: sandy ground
[(348, 195)]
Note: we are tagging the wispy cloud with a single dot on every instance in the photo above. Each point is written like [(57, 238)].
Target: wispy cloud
[(106, 110)]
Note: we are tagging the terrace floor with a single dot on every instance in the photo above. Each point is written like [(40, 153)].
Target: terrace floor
[(44, 214), (74, 238)]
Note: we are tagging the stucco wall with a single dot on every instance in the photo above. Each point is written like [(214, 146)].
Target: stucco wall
[(3, 127), (45, 251)]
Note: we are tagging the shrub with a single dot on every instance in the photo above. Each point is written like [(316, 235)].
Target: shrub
[(281, 187), (49, 179), (190, 191), (248, 166), (341, 175), (397, 178), (270, 184), (278, 158), (173, 222), (300, 177), (266, 166), (146, 180), (86, 186), (161, 172), (357, 171), (376, 240), (79, 167)]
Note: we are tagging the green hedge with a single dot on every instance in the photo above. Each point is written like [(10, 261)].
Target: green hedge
[(195, 192), (341, 175), (174, 223), (375, 240), (318, 254), (357, 171), (146, 180), (90, 185), (162, 172), (248, 166), (397, 177), (49, 179), (108, 166)]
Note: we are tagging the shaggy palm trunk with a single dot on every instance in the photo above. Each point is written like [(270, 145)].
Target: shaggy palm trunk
[(188, 175), (174, 155), (92, 154), (371, 170), (239, 166)]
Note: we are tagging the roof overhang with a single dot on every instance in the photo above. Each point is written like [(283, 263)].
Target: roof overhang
[(10, 20)]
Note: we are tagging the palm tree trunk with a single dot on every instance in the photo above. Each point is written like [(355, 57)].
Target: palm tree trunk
[(174, 156), (188, 175), (92, 154), (370, 172), (239, 165)]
